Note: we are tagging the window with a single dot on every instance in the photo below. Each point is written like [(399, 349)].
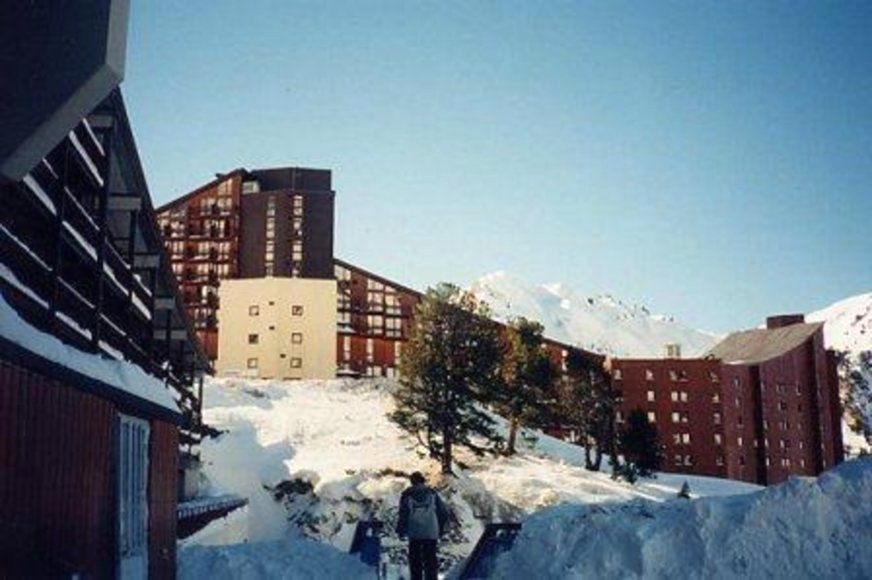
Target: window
[(742, 460), (618, 374), (272, 327), (251, 363), (678, 460), (619, 417), (685, 438), (253, 310), (649, 375), (297, 338), (713, 376), (718, 439), (674, 396), (296, 310), (683, 396), (720, 461), (688, 460), (782, 406), (652, 417), (650, 395), (676, 417), (673, 375), (717, 418), (736, 382), (740, 442), (296, 363), (283, 355), (716, 398), (253, 339)]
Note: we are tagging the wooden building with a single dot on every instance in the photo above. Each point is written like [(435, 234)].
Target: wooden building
[(99, 363)]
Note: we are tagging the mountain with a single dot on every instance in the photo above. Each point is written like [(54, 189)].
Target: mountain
[(848, 328), (600, 323)]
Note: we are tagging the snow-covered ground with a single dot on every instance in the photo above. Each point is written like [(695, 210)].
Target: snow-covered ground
[(600, 323), (316, 457), (804, 528)]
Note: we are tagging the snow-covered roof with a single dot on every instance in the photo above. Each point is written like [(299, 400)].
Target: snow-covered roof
[(118, 374)]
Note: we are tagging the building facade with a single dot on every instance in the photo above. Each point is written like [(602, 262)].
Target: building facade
[(247, 224), (761, 406), (281, 328), (99, 364)]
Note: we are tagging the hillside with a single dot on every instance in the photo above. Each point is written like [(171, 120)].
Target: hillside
[(848, 328), (600, 323), (316, 457)]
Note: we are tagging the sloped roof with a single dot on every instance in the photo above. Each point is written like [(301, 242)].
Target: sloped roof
[(762, 344), (61, 59)]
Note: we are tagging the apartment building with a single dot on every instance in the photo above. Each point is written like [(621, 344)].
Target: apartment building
[(760, 406), (282, 328), (248, 224)]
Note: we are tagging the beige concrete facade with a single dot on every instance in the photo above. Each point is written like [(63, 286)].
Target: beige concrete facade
[(277, 328)]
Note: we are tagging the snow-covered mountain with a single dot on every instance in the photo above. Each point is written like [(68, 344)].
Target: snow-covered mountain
[(848, 323), (848, 328), (599, 323)]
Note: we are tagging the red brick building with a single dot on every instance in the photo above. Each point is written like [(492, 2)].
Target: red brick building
[(760, 406)]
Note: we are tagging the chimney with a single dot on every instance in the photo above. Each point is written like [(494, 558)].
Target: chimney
[(782, 320), (673, 350)]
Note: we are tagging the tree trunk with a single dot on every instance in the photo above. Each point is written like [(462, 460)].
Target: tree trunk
[(446, 452), (513, 435), (588, 462)]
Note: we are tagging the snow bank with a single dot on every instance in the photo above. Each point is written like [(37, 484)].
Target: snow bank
[(295, 558), (122, 375), (803, 528)]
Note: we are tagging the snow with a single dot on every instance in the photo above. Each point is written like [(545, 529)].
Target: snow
[(600, 323), (119, 374), (335, 435), (804, 528), (295, 558), (85, 244), (848, 328), (12, 279), (34, 186), (25, 247)]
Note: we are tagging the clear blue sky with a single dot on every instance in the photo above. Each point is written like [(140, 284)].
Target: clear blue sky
[(711, 160)]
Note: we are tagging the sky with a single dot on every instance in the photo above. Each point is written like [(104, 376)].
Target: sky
[(712, 161)]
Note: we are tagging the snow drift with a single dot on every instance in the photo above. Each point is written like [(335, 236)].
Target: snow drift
[(804, 528)]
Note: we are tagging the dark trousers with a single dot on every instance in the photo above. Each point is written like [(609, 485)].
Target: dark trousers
[(422, 559)]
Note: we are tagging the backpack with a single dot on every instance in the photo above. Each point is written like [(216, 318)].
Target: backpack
[(423, 520)]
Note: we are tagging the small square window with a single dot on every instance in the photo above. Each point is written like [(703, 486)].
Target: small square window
[(283, 355), (271, 303), (297, 338), (252, 363), (296, 363), (272, 327), (650, 395), (253, 310), (253, 339), (297, 310), (652, 417)]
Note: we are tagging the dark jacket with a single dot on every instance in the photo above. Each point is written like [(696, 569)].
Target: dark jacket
[(420, 492)]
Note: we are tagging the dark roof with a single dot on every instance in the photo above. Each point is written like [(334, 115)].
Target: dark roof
[(762, 344), (60, 61), (272, 179)]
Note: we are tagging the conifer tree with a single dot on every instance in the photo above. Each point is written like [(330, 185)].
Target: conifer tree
[(528, 391), (450, 368), (638, 444), (587, 404)]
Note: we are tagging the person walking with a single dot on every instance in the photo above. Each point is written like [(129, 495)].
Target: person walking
[(422, 520)]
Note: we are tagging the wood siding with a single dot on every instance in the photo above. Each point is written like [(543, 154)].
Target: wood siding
[(57, 492)]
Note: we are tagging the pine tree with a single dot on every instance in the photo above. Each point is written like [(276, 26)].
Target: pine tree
[(450, 368), (529, 375), (587, 404), (639, 446)]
